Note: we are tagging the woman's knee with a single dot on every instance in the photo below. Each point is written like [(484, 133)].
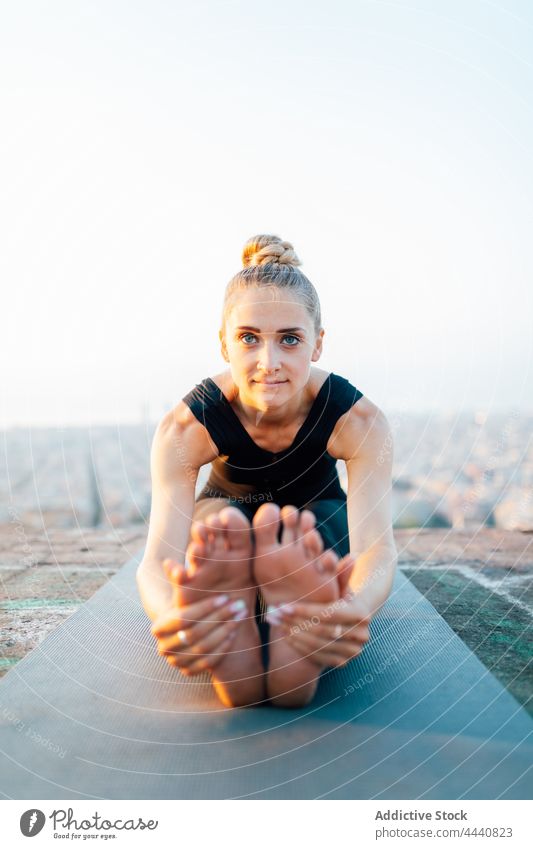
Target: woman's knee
[(205, 506)]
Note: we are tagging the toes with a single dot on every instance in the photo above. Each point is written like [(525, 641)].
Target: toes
[(313, 544), (175, 572), (215, 530), (199, 532), (290, 516), (328, 562), (197, 556), (236, 527), (266, 526), (307, 521)]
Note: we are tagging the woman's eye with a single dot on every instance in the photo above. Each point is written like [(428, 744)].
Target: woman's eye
[(250, 338)]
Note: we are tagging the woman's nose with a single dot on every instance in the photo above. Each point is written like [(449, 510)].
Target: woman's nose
[(269, 359)]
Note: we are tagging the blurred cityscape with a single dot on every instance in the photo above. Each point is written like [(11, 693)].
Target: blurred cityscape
[(449, 471)]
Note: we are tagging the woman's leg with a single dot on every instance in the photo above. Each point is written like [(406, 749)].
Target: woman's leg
[(287, 570), (288, 686), (203, 508), (332, 523), (223, 565)]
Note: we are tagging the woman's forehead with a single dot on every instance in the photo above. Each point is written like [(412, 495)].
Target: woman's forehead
[(265, 310)]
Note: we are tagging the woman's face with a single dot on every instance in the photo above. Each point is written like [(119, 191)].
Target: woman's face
[(269, 342)]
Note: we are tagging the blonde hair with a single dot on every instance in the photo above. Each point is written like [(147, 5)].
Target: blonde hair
[(270, 262)]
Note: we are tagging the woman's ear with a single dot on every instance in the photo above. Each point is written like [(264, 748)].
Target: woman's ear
[(223, 347), (317, 350)]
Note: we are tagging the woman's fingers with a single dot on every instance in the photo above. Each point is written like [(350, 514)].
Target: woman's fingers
[(215, 609), (330, 640), (318, 657), (211, 661), (334, 655), (330, 632), (192, 664), (197, 640), (347, 611), (193, 633)]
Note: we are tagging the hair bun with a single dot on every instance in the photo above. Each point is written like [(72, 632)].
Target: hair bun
[(263, 249)]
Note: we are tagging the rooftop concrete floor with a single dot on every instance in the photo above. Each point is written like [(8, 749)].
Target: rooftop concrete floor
[(480, 581)]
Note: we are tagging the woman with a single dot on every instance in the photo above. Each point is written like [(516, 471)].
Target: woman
[(272, 527)]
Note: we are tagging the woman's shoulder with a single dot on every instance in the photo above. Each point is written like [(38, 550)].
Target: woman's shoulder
[(180, 432), (361, 430)]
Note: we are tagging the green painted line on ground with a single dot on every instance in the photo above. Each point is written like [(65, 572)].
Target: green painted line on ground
[(493, 627), (33, 603)]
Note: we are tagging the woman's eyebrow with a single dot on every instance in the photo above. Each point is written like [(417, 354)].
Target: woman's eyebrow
[(283, 329)]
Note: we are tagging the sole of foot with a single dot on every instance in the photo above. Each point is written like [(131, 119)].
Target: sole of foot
[(219, 558), (295, 568)]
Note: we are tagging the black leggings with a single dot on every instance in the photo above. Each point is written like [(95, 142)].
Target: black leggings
[(332, 523)]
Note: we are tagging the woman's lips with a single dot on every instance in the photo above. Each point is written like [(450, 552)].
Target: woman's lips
[(268, 383)]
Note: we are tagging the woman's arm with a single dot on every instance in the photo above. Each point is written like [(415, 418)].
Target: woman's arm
[(366, 445), (180, 447)]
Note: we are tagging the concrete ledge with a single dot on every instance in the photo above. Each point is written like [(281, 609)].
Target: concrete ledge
[(481, 582), (45, 577)]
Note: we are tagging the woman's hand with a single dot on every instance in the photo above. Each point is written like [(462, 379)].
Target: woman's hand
[(327, 635), (197, 636)]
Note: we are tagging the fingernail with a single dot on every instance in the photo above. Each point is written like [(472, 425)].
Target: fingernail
[(273, 615), (242, 614), (272, 621), (220, 600), (238, 605), (286, 608)]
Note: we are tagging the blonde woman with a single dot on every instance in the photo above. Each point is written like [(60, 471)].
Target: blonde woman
[(272, 532)]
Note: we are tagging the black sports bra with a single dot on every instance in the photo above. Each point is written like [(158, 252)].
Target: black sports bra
[(301, 473)]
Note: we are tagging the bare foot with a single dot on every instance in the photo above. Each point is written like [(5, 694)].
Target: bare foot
[(297, 569), (219, 557)]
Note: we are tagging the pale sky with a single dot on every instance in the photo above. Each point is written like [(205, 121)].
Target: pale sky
[(144, 142)]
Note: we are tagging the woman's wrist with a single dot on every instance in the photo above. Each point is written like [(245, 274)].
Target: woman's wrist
[(372, 578), (155, 591)]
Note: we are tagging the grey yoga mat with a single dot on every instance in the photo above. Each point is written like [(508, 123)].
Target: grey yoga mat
[(94, 713)]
